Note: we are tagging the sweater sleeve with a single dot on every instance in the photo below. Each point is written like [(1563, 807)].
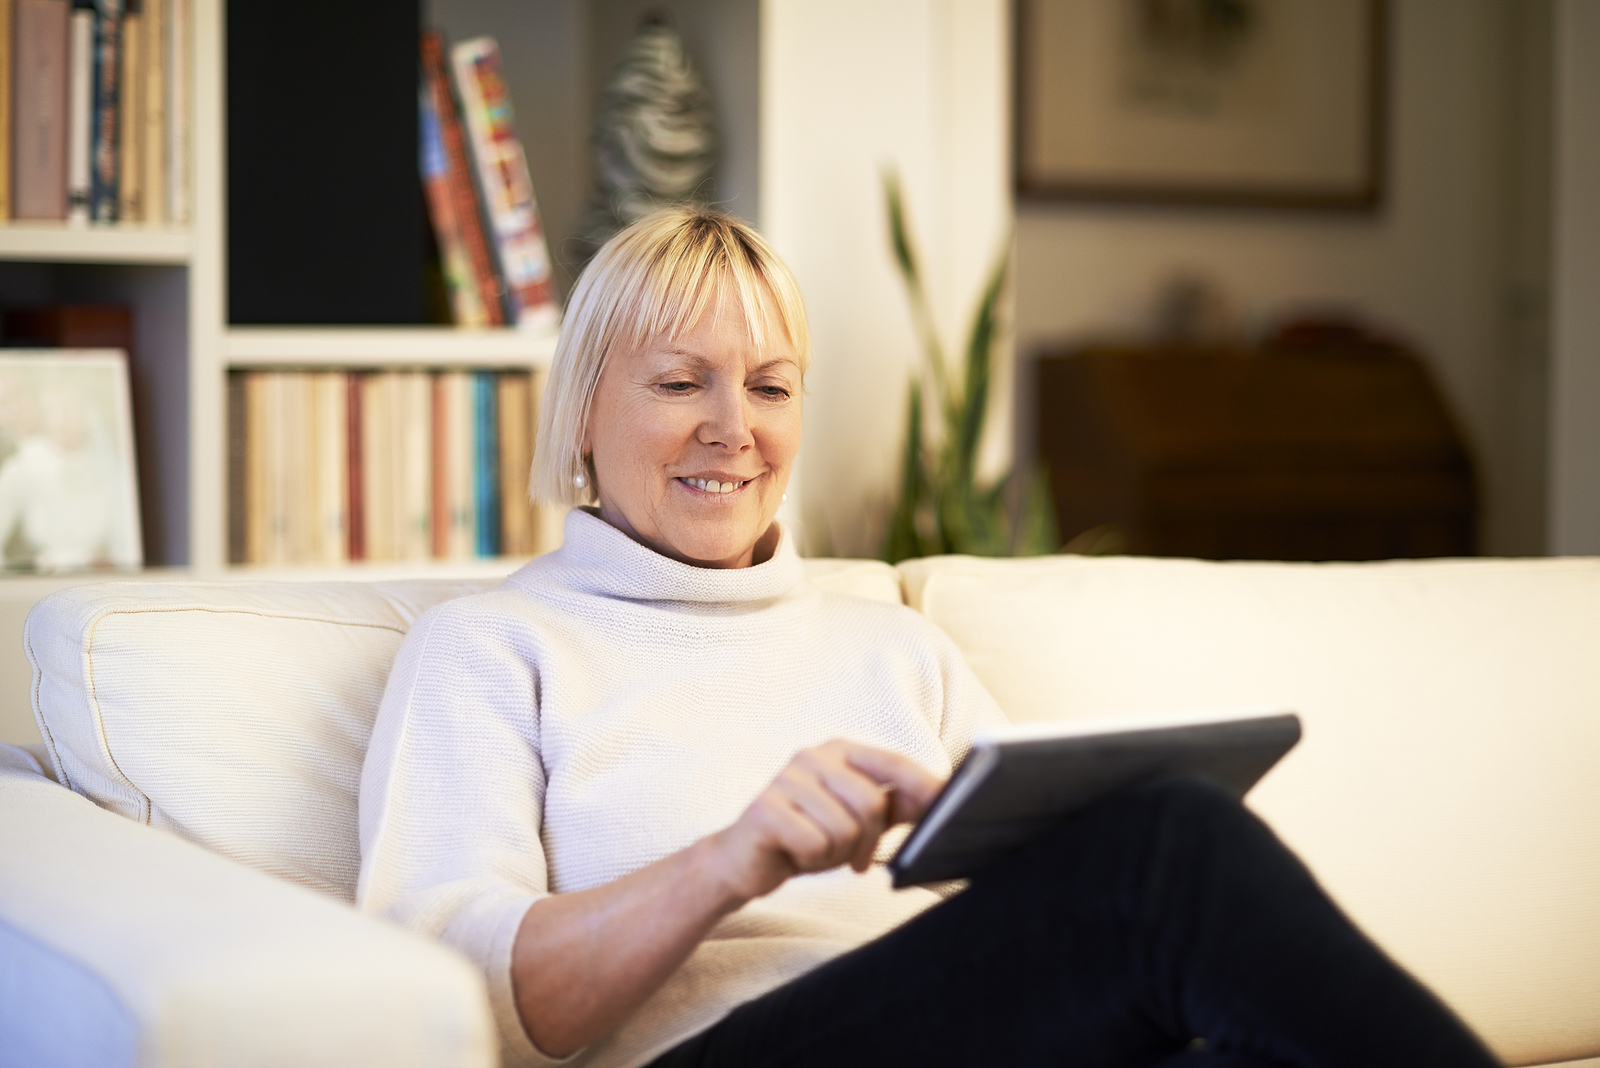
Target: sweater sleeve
[(452, 797)]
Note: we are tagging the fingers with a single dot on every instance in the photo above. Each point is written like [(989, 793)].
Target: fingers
[(829, 806), (851, 793), (865, 800), (912, 787)]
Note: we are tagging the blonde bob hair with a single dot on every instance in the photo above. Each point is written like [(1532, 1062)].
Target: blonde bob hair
[(653, 282)]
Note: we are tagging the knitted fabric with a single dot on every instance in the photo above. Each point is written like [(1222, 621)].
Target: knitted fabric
[(608, 706)]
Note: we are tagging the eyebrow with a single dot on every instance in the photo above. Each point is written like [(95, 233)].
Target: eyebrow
[(698, 361)]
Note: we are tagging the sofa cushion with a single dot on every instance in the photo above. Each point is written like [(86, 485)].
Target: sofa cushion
[(1445, 791), (237, 714)]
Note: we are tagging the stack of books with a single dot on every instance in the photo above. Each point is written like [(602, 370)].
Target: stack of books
[(94, 104), (331, 466), (480, 196)]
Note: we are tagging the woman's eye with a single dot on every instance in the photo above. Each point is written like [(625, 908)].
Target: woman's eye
[(677, 387), (773, 392)]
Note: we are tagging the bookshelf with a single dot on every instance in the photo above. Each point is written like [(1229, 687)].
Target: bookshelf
[(176, 280)]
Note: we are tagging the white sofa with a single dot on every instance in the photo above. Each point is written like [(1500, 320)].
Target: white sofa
[(186, 901)]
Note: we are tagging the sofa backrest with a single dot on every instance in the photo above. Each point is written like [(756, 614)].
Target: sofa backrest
[(1447, 790), (237, 714)]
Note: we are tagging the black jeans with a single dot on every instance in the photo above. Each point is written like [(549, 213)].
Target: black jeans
[(1165, 924)]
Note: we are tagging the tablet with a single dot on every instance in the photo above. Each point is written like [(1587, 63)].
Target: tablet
[(1018, 781)]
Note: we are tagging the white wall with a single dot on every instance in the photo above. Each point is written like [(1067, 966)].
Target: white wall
[(1435, 263), (1575, 327), (848, 88)]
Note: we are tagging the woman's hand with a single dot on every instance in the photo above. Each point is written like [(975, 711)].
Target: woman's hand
[(583, 961), (829, 806)]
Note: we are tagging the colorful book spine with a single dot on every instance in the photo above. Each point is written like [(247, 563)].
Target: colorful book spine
[(466, 303), (329, 467), (354, 509), (178, 82), (460, 464), (463, 196), (153, 103), (441, 474), (517, 521), (238, 468), (130, 119), (485, 432), (259, 416), (105, 147), (80, 112), (502, 172), (39, 110), (413, 490), (378, 403), (296, 475)]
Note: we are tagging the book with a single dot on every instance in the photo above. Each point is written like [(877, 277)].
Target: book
[(413, 472), (501, 169), (260, 414), (238, 468), (354, 509), (486, 470), (1018, 782), (105, 126), (441, 475), (153, 105), (294, 477), (329, 467), (465, 211), (80, 110), (176, 117), (378, 403), (518, 524), (461, 282), (130, 119), (6, 59), (456, 440), (39, 110)]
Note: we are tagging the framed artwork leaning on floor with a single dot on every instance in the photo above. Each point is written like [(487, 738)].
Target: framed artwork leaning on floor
[(1276, 103), (69, 496)]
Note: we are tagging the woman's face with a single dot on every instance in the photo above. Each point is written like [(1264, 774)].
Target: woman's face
[(692, 440)]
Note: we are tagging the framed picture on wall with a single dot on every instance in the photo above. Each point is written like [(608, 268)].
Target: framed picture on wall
[(1251, 102), (69, 497)]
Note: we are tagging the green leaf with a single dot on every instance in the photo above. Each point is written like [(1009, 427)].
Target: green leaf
[(941, 508)]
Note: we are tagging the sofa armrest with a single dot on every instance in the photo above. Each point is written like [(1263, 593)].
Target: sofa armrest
[(121, 944)]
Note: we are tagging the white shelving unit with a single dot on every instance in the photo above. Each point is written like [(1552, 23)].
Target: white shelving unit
[(386, 347), (57, 243)]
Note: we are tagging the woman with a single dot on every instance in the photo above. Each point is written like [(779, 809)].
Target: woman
[(645, 784)]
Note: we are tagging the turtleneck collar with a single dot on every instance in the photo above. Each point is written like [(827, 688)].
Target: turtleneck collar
[(597, 558)]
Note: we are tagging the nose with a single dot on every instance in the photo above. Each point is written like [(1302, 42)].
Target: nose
[(727, 422)]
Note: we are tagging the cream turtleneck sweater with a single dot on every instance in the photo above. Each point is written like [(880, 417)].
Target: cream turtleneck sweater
[(607, 706)]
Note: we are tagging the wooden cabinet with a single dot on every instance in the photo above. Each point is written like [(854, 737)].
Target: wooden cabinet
[(1321, 452)]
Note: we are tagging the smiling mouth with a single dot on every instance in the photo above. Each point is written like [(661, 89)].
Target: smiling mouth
[(712, 486)]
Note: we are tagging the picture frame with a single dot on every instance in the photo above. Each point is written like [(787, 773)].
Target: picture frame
[(69, 490), (1254, 103)]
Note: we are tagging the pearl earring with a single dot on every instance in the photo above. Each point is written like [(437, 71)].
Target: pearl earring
[(784, 499), (580, 480)]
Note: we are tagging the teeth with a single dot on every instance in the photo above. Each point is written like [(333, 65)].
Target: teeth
[(711, 485)]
